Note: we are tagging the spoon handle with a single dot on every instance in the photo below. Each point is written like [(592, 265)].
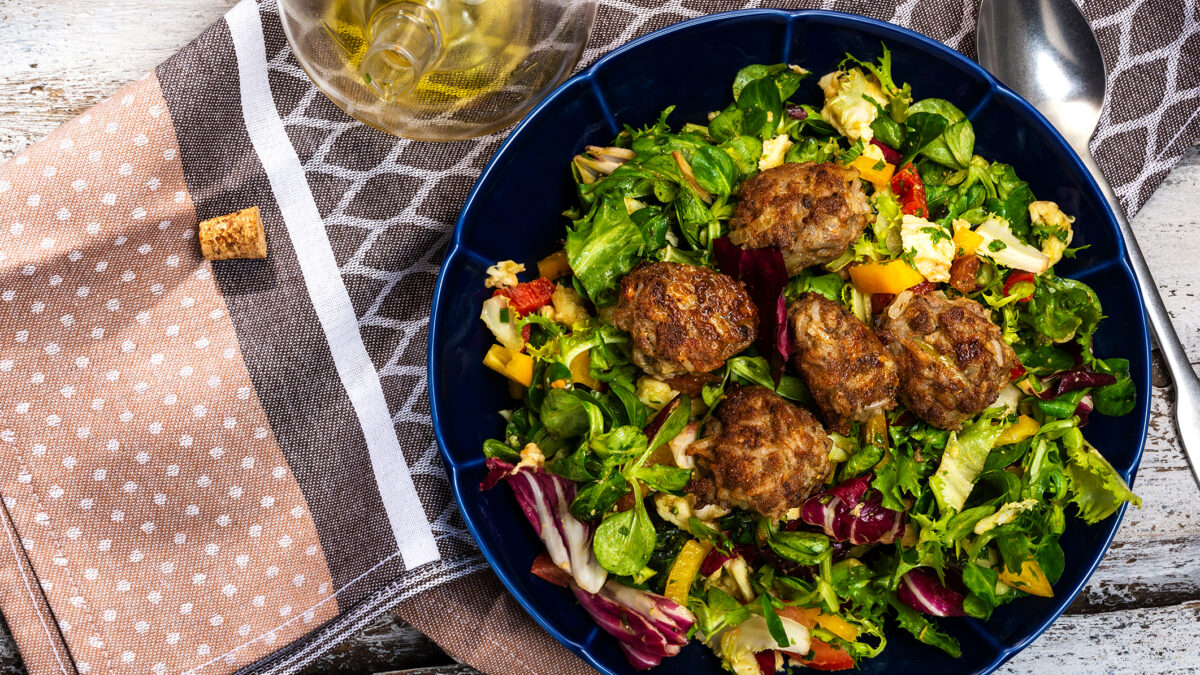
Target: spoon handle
[(1187, 385)]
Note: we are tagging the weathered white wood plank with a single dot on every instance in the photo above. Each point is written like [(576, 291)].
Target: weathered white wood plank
[(1158, 547), (1168, 228), (1152, 640), (58, 57), (387, 643)]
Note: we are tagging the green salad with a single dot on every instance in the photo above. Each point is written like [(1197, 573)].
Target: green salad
[(801, 374)]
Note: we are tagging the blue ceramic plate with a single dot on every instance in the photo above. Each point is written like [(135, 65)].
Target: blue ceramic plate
[(514, 213)]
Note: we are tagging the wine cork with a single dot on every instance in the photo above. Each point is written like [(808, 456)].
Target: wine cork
[(237, 235)]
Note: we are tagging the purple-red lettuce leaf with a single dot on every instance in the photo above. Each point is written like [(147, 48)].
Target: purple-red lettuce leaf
[(716, 557), (1084, 408), (546, 499), (921, 590), (796, 112), (1079, 377), (648, 626), (765, 275), (890, 155), (853, 512), (783, 337), (714, 560)]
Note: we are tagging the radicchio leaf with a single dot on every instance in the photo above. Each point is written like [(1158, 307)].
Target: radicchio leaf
[(796, 112), (544, 568), (765, 275), (1079, 377), (650, 627), (656, 423), (853, 512), (921, 590), (713, 561), (546, 499), (783, 337), (889, 155), (1084, 409), (716, 557)]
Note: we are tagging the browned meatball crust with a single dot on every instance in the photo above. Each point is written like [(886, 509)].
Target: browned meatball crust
[(953, 360), (812, 212), (851, 375), (760, 452), (684, 319)]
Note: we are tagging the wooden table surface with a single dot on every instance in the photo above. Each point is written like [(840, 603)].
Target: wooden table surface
[(1141, 611)]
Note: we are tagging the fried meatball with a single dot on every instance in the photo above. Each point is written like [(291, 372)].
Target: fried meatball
[(812, 212), (953, 360), (760, 452), (684, 319), (851, 375)]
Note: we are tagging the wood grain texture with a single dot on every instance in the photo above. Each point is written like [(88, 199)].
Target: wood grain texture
[(58, 57), (1140, 611), (385, 644)]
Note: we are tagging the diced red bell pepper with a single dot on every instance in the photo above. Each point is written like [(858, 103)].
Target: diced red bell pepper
[(827, 657), (766, 662), (526, 297), (1017, 371), (880, 302), (1017, 278), (910, 191), (545, 568)]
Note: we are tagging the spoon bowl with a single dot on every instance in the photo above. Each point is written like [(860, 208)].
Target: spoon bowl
[(1060, 69)]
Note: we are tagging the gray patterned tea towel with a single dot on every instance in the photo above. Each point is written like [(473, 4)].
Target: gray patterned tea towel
[(213, 467)]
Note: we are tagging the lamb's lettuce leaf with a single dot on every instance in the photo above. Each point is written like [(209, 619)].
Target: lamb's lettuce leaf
[(604, 247)]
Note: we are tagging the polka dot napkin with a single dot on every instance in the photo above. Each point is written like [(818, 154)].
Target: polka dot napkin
[(209, 467)]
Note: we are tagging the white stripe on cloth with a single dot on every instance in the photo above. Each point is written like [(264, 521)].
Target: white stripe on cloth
[(410, 526)]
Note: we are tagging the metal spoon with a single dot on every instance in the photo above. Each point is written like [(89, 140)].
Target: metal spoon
[(1047, 52)]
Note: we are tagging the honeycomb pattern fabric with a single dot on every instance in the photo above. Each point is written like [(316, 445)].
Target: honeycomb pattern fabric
[(230, 465)]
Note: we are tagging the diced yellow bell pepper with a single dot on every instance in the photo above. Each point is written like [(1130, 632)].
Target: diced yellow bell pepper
[(581, 371), (1025, 427), (880, 178), (966, 239), (1032, 579), (876, 431), (889, 277), (554, 266), (838, 626), (515, 366), (684, 570)]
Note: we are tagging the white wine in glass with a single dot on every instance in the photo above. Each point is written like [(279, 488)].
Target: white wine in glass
[(437, 69)]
